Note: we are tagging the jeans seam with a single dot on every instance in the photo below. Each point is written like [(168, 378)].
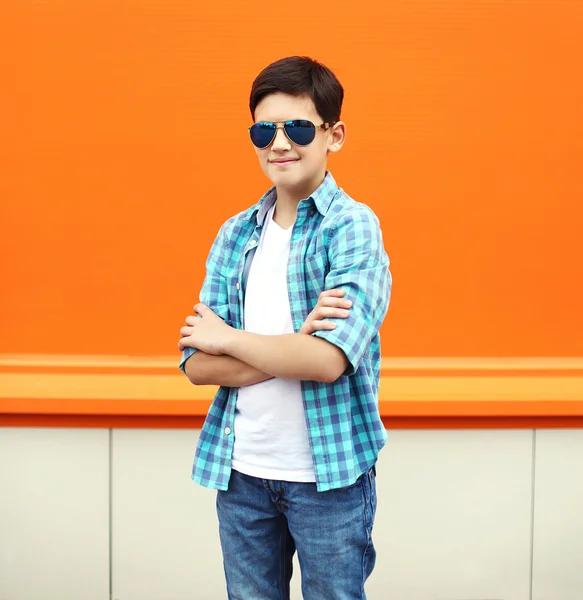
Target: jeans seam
[(368, 505), (365, 502), (282, 570)]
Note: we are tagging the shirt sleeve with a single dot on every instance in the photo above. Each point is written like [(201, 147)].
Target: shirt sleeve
[(360, 266), (214, 287)]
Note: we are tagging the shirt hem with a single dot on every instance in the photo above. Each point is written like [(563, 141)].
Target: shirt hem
[(274, 474)]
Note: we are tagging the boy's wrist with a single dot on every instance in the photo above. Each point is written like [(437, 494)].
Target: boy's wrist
[(231, 342)]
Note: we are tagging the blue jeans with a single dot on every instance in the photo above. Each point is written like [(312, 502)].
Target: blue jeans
[(263, 522)]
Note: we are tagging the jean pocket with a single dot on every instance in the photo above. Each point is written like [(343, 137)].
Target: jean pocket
[(356, 483), (372, 493)]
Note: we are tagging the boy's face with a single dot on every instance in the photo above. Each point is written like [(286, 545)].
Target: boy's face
[(290, 167)]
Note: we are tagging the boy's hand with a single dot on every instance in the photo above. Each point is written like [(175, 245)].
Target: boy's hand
[(209, 333), (330, 305)]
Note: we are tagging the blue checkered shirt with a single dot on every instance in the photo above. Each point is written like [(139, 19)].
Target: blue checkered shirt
[(335, 243)]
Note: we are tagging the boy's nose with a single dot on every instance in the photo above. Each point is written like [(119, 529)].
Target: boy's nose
[(281, 141)]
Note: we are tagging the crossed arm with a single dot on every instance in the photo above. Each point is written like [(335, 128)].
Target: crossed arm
[(358, 264), (208, 369), (235, 358)]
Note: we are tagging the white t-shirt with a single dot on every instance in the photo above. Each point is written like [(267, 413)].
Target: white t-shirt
[(271, 437)]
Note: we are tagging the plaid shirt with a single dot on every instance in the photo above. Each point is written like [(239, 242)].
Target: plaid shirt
[(335, 243)]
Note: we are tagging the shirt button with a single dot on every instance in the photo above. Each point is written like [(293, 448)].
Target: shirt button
[(312, 213), (253, 242), (227, 430), (237, 285)]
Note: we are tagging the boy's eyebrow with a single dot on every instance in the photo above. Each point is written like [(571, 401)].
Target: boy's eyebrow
[(282, 120)]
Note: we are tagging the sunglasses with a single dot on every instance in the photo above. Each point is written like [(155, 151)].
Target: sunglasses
[(298, 131)]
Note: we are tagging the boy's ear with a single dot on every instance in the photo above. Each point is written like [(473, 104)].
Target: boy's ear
[(337, 136)]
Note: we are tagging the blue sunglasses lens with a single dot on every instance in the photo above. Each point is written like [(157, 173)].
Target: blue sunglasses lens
[(300, 132), (262, 134)]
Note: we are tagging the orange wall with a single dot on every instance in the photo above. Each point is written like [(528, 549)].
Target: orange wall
[(123, 147)]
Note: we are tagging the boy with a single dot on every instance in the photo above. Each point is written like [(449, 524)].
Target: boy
[(292, 437)]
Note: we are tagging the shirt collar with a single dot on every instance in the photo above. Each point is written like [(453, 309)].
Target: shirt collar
[(322, 198)]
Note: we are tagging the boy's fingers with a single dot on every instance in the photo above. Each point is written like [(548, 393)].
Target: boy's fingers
[(331, 313), (335, 302), (323, 325), (202, 309), (312, 326), (333, 292)]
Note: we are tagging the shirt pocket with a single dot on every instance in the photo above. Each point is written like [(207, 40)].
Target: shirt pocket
[(315, 270)]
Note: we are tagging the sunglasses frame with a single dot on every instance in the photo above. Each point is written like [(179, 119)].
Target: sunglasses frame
[(282, 124)]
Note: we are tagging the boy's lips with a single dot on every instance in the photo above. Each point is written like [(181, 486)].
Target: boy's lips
[(280, 162)]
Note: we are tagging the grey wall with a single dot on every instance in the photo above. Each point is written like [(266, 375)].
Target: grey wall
[(472, 515)]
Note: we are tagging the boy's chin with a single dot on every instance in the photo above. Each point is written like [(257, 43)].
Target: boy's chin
[(288, 180)]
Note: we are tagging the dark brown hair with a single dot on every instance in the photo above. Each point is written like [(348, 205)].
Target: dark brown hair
[(300, 76)]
